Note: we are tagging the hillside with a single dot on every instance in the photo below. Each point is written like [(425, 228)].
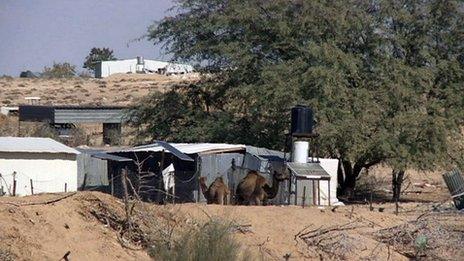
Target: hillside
[(116, 90), (85, 224)]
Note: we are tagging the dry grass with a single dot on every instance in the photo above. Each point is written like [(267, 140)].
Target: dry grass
[(86, 91)]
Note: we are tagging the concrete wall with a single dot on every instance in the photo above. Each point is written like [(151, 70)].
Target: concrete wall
[(48, 171)]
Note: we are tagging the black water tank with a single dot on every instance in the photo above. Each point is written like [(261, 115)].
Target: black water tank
[(302, 121)]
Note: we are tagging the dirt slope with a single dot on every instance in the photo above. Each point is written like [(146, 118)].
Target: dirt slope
[(47, 232), (118, 89)]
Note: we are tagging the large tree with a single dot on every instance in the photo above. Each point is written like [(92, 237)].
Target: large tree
[(97, 55), (374, 74)]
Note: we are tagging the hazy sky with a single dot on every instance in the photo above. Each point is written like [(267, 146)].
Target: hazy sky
[(35, 33)]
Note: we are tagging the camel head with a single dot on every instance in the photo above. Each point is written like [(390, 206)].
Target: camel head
[(281, 175), (202, 180)]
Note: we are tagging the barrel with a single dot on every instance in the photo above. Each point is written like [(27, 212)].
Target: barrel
[(302, 121)]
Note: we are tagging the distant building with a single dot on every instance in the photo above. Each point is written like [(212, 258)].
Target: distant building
[(44, 163), (140, 65)]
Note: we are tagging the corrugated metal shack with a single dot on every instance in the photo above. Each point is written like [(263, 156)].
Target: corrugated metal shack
[(232, 162), (92, 172)]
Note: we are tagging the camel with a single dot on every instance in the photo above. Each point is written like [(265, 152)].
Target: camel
[(253, 189), (217, 193)]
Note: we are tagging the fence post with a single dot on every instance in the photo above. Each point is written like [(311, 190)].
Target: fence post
[(14, 187), (32, 188), (65, 187), (304, 197), (126, 194), (14, 183)]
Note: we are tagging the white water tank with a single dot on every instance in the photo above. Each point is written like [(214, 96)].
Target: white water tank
[(300, 151)]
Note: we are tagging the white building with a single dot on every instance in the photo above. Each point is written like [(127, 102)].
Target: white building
[(50, 165), (139, 65)]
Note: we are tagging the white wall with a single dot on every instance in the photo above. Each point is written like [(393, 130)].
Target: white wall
[(120, 66), (331, 166), (49, 172), (130, 65)]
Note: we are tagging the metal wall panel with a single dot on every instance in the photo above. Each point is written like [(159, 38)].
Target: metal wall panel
[(88, 116), (94, 171)]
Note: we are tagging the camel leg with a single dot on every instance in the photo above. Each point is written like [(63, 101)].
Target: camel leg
[(220, 200)]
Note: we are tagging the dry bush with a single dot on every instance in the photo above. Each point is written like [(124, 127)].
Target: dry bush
[(367, 184), (7, 78), (77, 137), (43, 130), (211, 240), (165, 232), (425, 239), (332, 242), (7, 255), (7, 126)]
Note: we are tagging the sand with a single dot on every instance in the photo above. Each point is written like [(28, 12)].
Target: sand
[(47, 232)]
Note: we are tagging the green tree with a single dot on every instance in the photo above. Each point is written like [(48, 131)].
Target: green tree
[(375, 72), (97, 55), (59, 70)]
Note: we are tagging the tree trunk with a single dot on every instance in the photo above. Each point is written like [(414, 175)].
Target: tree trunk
[(351, 174), (397, 181)]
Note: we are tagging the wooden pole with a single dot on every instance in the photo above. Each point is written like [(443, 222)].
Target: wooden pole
[(32, 188), (304, 197), (112, 182), (328, 185), (14, 187), (14, 183), (318, 192), (126, 194), (65, 187), (314, 192)]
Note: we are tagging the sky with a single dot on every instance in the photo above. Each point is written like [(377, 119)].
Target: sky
[(36, 33)]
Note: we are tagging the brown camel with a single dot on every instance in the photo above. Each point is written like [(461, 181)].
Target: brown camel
[(253, 189), (217, 193)]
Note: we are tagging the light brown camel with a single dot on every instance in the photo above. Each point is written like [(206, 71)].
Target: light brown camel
[(254, 190), (217, 193)]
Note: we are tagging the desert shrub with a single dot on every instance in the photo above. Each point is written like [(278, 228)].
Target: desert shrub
[(44, 131), (59, 70), (7, 126), (85, 75), (77, 137), (212, 240), (7, 255), (6, 77)]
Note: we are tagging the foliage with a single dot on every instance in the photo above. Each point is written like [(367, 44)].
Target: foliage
[(96, 55), (384, 77), (59, 70), (212, 240)]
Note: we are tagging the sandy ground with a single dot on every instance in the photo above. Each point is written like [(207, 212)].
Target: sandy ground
[(47, 232), (116, 90)]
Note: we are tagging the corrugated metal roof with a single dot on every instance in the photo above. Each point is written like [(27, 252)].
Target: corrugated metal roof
[(266, 154), (34, 145), (190, 148), (308, 170)]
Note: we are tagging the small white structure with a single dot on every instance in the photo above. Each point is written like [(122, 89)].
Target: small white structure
[(139, 65), (331, 166), (49, 165)]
